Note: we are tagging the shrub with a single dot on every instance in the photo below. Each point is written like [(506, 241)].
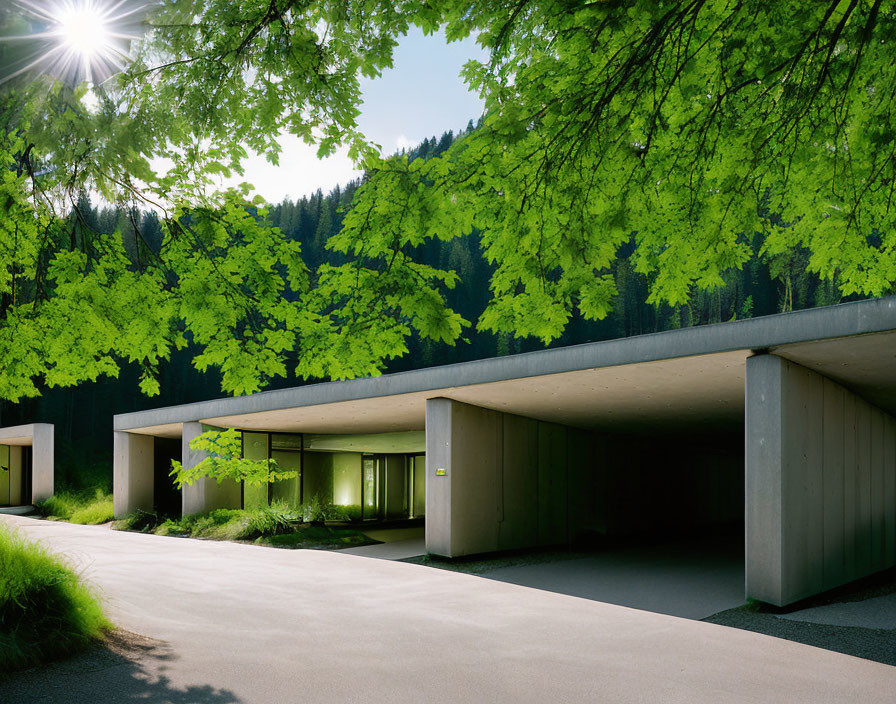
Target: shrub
[(45, 610)]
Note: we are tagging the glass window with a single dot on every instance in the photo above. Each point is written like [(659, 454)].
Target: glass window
[(286, 441), (419, 486), (369, 482), (255, 447), (288, 490), (346, 473)]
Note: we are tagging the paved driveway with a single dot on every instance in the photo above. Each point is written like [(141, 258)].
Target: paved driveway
[(254, 624)]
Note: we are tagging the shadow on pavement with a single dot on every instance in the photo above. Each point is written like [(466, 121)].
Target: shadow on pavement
[(127, 668)]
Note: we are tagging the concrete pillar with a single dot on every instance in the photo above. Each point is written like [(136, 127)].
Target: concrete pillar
[(820, 483), (496, 481), (204, 494), (42, 461), (463, 449), (132, 473)]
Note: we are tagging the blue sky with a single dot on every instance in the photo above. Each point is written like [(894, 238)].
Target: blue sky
[(421, 96)]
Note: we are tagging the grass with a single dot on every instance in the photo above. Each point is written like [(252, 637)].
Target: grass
[(45, 611), (277, 525), (87, 507)]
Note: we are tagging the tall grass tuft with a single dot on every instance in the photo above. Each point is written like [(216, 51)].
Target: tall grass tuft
[(45, 611), (85, 507)]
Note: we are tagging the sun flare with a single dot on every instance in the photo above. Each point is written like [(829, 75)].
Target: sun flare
[(72, 40), (83, 30)]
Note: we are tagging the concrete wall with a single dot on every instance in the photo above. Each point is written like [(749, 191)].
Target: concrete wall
[(821, 483), (205, 494), (505, 483), (132, 473)]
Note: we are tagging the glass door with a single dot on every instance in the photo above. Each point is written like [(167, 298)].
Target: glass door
[(417, 485), (4, 475)]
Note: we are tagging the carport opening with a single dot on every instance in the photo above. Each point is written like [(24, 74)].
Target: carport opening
[(666, 526), (167, 499), (670, 486)]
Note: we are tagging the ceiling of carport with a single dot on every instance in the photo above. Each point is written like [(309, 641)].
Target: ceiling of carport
[(706, 390), (865, 364)]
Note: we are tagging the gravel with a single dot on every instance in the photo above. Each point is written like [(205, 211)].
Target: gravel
[(878, 644)]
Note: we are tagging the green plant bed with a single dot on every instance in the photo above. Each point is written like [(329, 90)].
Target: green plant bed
[(277, 525), (45, 611), (220, 524), (318, 537)]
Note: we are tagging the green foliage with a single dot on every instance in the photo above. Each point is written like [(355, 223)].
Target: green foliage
[(665, 135), (85, 507), (45, 610), (225, 461)]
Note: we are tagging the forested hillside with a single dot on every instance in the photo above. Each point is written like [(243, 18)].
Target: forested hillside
[(83, 414)]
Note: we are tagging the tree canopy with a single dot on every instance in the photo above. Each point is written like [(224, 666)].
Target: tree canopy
[(675, 135)]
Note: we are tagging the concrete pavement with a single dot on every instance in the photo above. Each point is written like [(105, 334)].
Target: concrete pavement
[(240, 623)]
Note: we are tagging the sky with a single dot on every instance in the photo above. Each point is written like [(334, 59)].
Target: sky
[(421, 96)]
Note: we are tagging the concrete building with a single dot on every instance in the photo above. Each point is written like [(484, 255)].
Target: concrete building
[(782, 427), (26, 464)]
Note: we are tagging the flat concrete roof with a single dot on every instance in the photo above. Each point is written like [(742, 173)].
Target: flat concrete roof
[(678, 377), (21, 434)]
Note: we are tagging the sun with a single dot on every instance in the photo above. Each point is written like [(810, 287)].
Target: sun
[(82, 28), (72, 40)]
